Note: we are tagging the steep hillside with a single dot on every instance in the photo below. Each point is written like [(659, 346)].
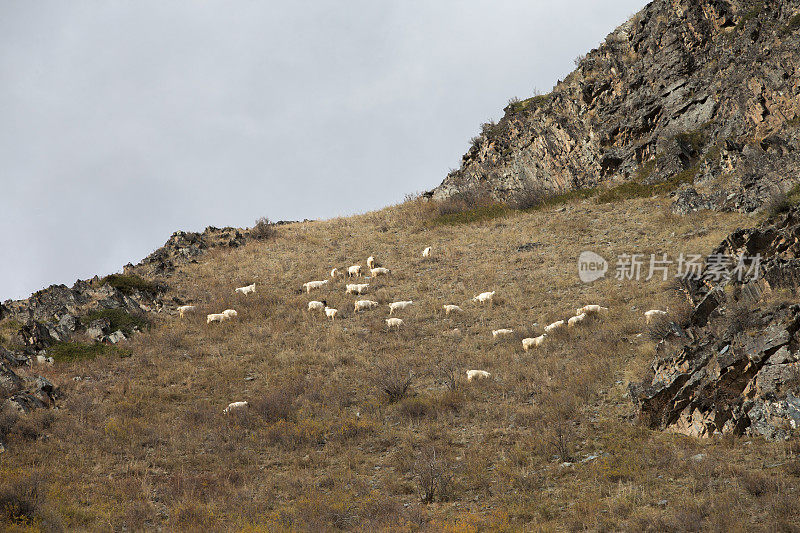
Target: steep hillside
[(354, 427), (700, 93)]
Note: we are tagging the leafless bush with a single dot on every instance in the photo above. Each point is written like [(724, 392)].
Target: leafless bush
[(527, 198), (472, 198), (434, 476), (448, 372), (393, 379), (21, 501), (264, 229)]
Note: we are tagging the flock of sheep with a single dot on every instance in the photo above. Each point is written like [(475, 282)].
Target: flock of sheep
[(355, 271)]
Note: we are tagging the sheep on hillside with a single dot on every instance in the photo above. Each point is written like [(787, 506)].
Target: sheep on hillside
[(533, 342), (575, 320), (246, 290), (653, 314), (364, 305), (450, 308), (182, 310), (501, 332), (236, 407), (354, 271), (230, 313), (477, 374), (379, 271), (554, 326), (398, 306), (331, 313), (370, 262), (314, 285), (394, 323), (426, 252), (356, 288), (215, 317), (484, 297), (314, 305)]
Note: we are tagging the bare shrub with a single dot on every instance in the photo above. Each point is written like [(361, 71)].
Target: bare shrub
[(263, 230), (21, 500), (279, 403), (393, 379), (434, 476)]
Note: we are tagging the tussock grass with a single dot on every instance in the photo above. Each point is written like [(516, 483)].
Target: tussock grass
[(141, 442)]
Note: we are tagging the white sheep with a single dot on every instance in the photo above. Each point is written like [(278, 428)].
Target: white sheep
[(501, 332), (182, 310), (370, 262), (394, 323), (246, 290), (331, 313), (356, 288), (379, 271), (236, 407), (593, 309), (334, 273), (364, 305), (653, 314), (484, 297), (426, 252), (354, 271), (477, 374), (398, 306), (314, 305), (230, 313), (533, 342), (314, 285), (214, 317), (554, 326), (450, 308), (575, 320)]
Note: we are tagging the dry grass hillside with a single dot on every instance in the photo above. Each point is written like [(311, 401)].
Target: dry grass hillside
[(547, 444)]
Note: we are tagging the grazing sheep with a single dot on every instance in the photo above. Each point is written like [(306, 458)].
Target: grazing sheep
[(370, 262), (449, 308), (378, 271), (354, 271), (314, 305), (651, 315), (533, 342), (554, 326), (215, 317), (501, 332), (356, 288), (484, 297), (593, 309), (398, 306), (331, 313), (575, 320), (426, 252), (334, 273), (477, 374), (394, 323), (246, 290), (236, 407), (182, 310), (314, 285), (230, 313), (364, 305)]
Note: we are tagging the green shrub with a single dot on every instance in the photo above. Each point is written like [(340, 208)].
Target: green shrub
[(119, 319), (77, 351), (517, 106), (128, 283)]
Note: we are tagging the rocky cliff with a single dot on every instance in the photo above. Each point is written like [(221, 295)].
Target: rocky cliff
[(700, 93), (735, 368)]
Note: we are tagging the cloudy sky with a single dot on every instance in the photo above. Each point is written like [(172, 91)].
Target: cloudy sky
[(123, 121)]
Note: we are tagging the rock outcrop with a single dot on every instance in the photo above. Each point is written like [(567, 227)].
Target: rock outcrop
[(185, 246), (704, 93), (739, 372)]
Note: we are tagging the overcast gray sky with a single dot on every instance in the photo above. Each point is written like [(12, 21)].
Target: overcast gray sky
[(123, 121)]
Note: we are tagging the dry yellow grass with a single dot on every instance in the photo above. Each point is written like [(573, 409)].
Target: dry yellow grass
[(142, 443)]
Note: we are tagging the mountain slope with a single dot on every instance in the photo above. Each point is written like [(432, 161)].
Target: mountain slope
[(698, 92)]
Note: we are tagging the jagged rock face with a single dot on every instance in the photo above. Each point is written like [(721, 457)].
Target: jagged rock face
[(184, 247), (704, 92), (740, 371)]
